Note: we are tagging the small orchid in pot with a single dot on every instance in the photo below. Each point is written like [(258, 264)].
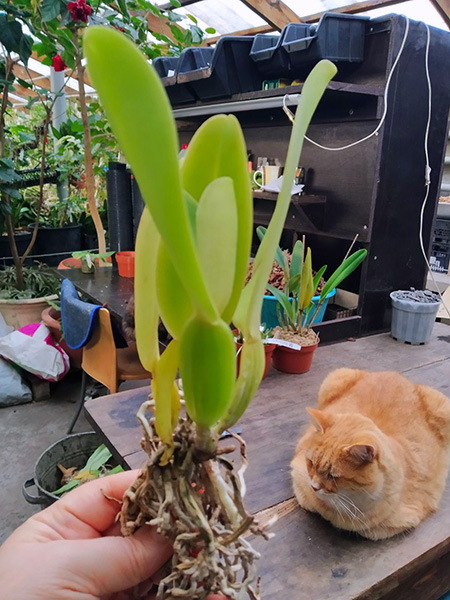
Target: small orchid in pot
[(190, 272), (295, 338)]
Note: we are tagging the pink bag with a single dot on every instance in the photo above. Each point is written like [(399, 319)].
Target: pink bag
[(33, 349)]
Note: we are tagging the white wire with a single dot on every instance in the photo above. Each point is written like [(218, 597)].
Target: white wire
[(428, 169), (385, 97)]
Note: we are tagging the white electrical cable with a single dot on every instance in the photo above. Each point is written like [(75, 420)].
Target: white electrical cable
[(385, 100), (428, 168)]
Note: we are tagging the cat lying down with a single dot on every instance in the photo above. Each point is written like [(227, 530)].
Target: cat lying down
[(376, 456)]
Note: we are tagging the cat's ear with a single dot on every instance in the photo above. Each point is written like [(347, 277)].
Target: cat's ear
[(320, 419), (361, 453)]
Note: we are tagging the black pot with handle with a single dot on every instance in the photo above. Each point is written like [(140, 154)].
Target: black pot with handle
[(72, 451)]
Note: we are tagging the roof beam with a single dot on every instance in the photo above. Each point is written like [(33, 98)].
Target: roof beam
[(443, 8), (252, 31), (41, 81), (353, 9), (275, 12)]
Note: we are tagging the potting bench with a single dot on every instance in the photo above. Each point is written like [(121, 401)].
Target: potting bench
[(105, 286), (309, 559)]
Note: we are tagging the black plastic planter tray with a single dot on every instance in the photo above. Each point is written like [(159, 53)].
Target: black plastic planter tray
[(167, 67), (270, 57), (339, 38), (223, 71), (31, 177)]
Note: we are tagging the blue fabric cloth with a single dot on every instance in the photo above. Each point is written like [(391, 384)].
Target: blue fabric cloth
[(79, 319)]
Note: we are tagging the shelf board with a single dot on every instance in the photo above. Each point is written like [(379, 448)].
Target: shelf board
[(296, 200), (256, 100), (306, 213)]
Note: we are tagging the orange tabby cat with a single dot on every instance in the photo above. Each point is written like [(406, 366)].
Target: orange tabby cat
[(376, 456)]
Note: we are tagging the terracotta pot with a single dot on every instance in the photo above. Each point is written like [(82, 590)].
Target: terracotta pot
[(19, 313), (125, 263), (52, 318), (288, 360), (268, 351)]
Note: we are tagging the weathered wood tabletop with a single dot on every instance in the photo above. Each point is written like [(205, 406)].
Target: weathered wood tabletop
[(309, 559)]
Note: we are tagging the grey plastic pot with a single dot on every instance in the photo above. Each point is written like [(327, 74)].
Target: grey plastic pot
[(71, 451), (412, 322)]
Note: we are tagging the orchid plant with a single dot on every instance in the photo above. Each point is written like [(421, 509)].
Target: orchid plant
[(190, 272), (298, 311)]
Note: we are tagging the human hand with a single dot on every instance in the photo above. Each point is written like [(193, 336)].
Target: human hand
[(73, 550)]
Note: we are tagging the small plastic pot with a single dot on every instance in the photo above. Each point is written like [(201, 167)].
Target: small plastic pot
[(288, 360), (125, 263), (268, 351), (412, 322)]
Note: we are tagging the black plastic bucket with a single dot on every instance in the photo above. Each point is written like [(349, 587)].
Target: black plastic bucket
[(72, 451), (56, 240), (23, 238)]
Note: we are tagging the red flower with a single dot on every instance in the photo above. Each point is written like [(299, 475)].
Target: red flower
[(79, 10), (119, 28), (58, 63)]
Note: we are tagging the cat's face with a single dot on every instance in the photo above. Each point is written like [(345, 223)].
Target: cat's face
[(342, 458)]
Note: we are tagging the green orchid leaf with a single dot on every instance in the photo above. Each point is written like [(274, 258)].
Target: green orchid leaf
[(248, 311), (117, 469), (306, 285), (296, 260), (67, 487), (97, 459), (318, 276), (343, 271), (140, 116), (174, 302), (216, 150), (163, 388), (279, 256), (217, 229), (208, 370), (293, 286), (146, 313), (251, 369), (284, 300)]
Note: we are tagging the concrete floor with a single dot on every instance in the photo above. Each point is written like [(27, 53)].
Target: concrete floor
[(25, 432)]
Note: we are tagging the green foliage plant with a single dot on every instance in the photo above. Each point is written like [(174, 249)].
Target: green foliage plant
[(88, 259), (95, 467), (190, 272), (298, 311)]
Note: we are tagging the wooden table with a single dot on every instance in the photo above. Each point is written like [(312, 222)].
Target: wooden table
[(309, 559), (104, 286)]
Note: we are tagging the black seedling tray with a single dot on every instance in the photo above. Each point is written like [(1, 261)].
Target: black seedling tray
[(220, 72), (339, 38), (167, 68)]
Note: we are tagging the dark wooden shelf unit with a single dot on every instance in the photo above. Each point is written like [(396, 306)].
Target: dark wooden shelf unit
[(375, 189)]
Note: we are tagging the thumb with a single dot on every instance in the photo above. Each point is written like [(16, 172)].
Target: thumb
[(112, 564)]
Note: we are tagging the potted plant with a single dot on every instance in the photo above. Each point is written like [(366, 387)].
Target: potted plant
[(279, 278), (269, 347), (413, 315), (88, 259), (298, 311), (190, 271)]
